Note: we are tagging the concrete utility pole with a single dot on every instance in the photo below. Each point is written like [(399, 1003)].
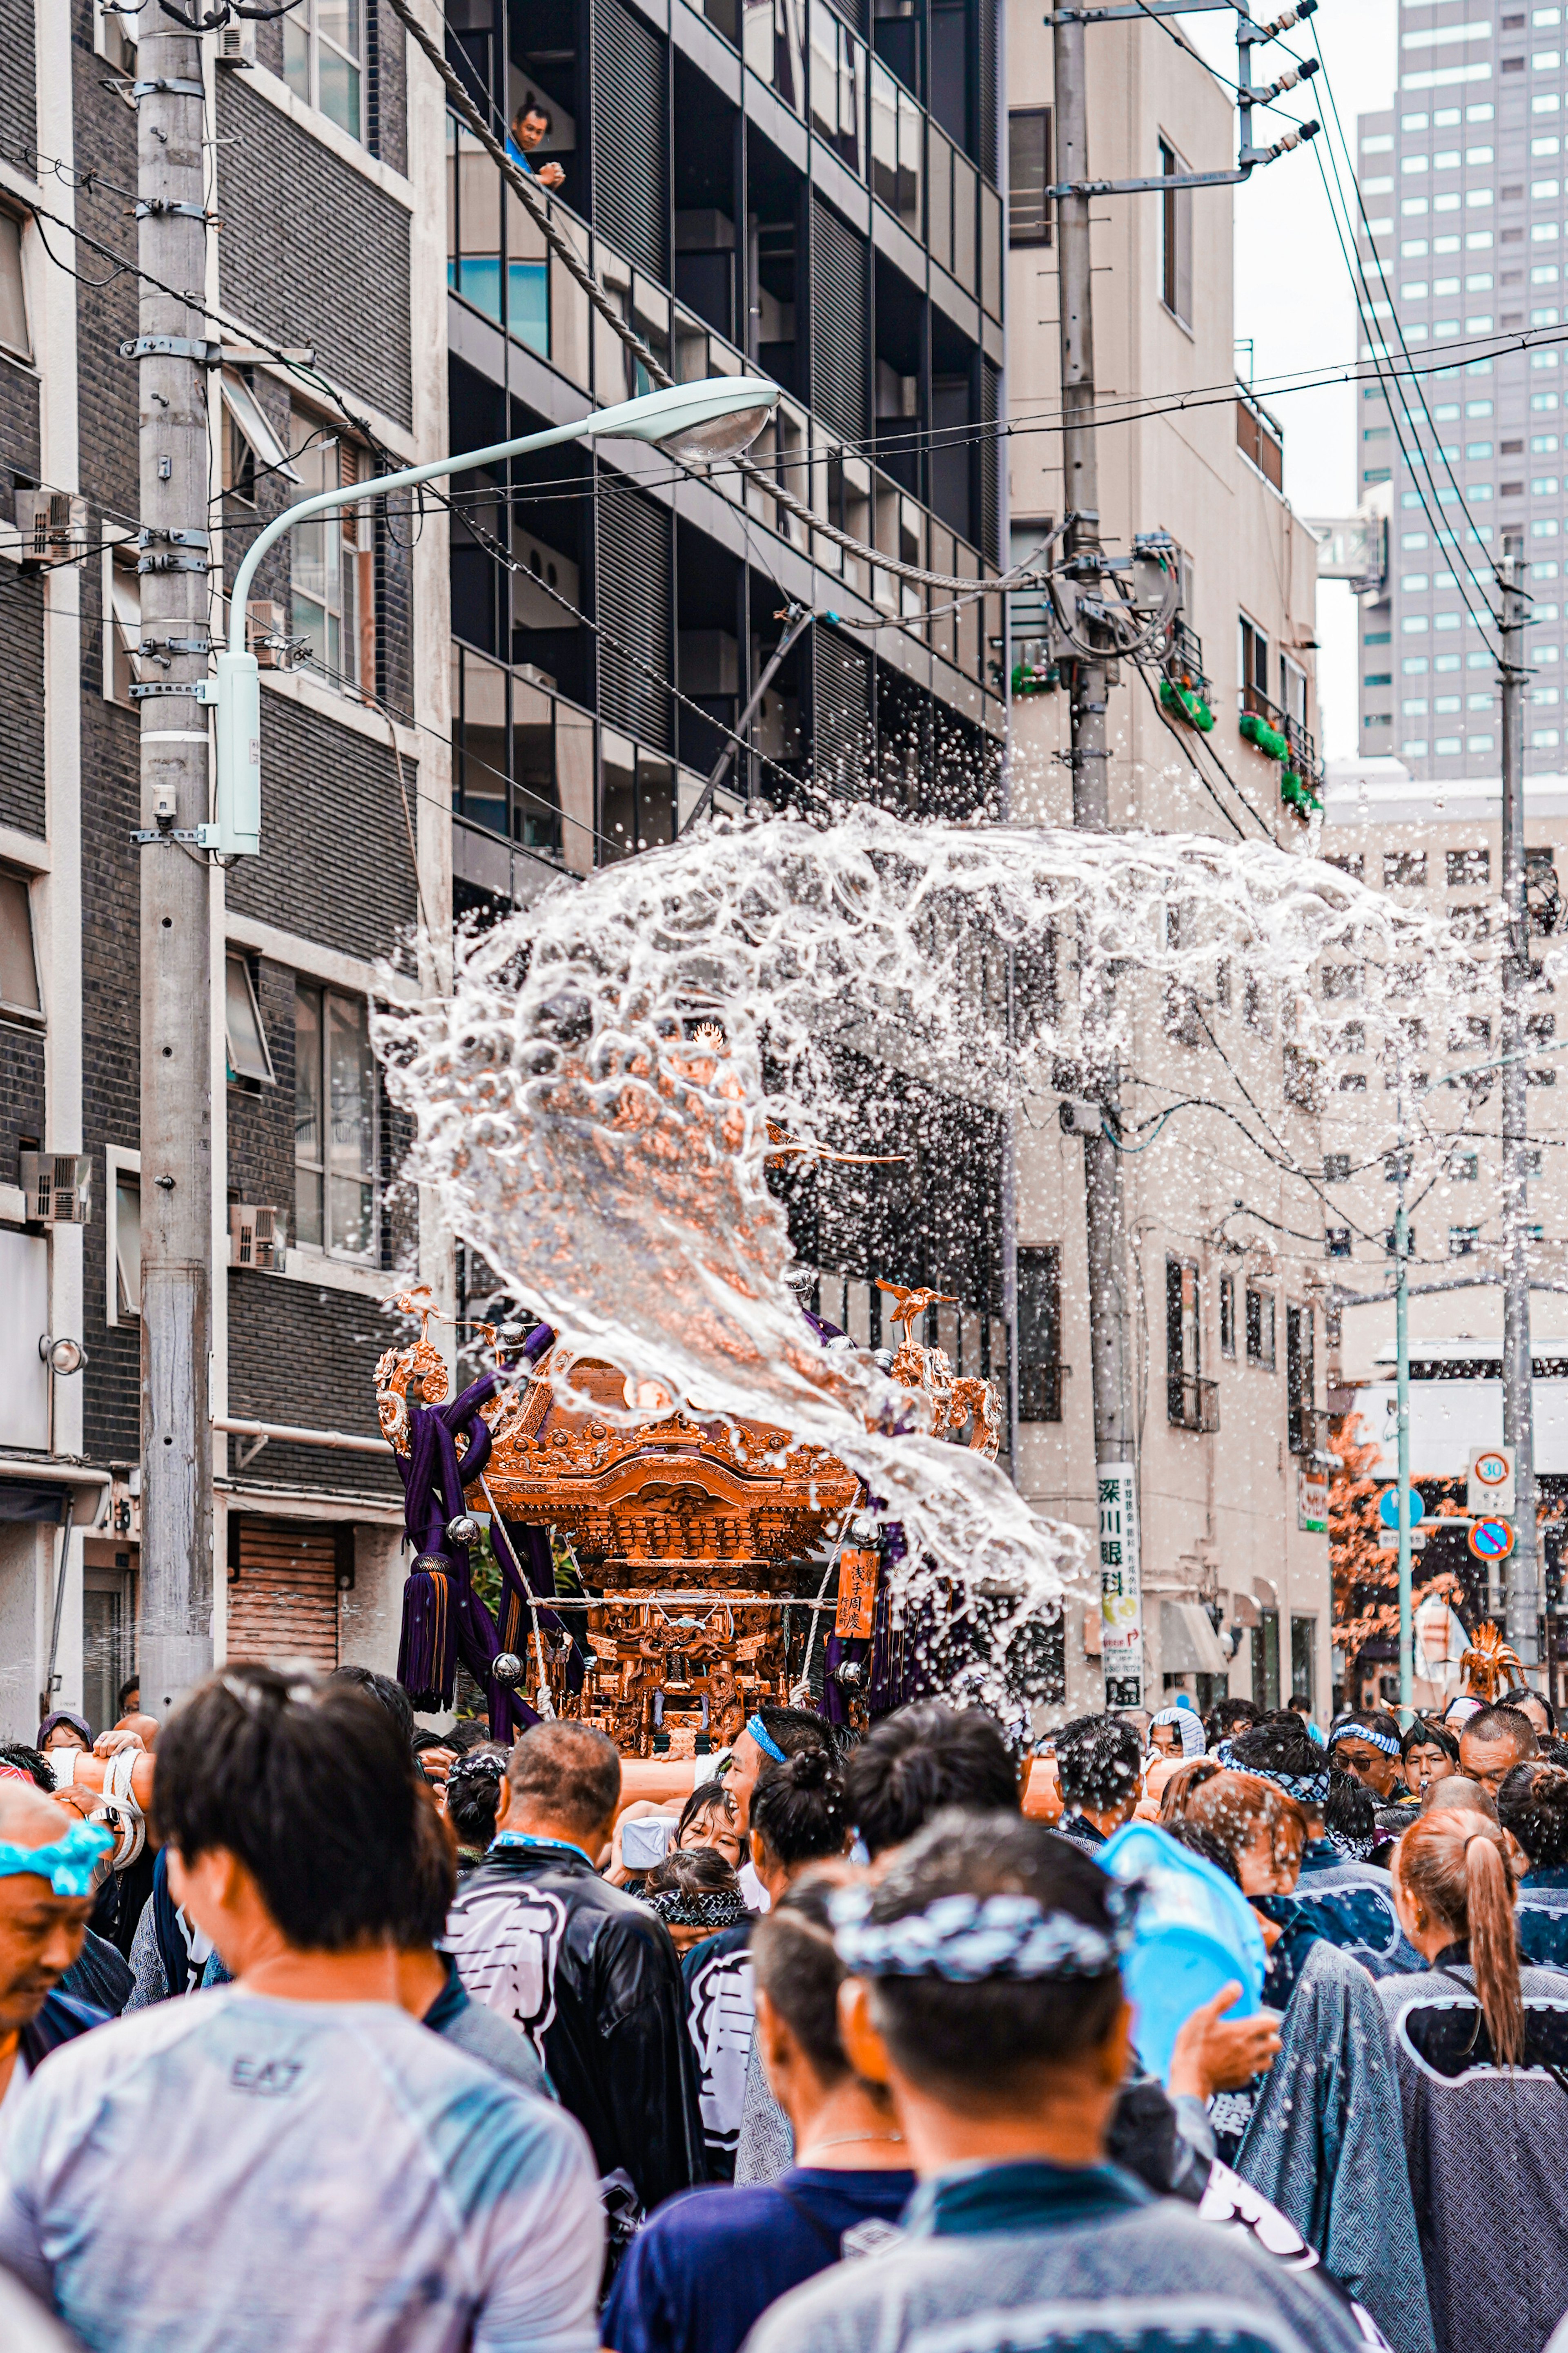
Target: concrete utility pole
[(1522, 1570), (1115, 1444), (175, 1634)]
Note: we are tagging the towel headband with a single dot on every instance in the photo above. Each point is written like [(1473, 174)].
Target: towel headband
[(764, 1740), (967, 1939), (67, 1863), (1364, 1732)]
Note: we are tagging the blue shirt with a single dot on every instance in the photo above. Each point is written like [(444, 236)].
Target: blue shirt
[(516, 156), (708, 2264)]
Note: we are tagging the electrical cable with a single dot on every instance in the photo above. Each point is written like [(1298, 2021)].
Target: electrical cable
[(1393, 312), (1181, 743), (1364, 299)]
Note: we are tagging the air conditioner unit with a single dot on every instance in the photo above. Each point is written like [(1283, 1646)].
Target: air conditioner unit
[(58, 1188), (264, 628), (237, 43), (50, 525), (257, 1236)]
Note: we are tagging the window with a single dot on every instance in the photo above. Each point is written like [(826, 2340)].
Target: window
[(334, 576), (1301, 1380), (1466, 869), (1303, 1642), (18, 962), (898, 146), (1255, 1007), (1029, 175), (245, 1040), (249, 444), (127, 1243), (1184, 1388), (14, 336), (122, 664), (1465, 1168), (1351, 861), (1252, 651), (1336, 1167), (1039, 1334), (1336, 1241), (1265, 1659), (1227, 1314), (1405, 865), (334, 1121), (323, 59), (1175, 239), (1260, 1329), (1463, 1240), (837, 65)]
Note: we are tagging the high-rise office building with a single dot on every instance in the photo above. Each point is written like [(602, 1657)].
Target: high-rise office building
[(1461, 186)]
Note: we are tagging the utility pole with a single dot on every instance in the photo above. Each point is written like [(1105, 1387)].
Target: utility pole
[(1521, 1572), (1402, 1394), (175, 1634), (1109, 1333)]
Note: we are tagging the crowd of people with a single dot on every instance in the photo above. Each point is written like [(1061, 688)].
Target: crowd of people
[(320, 2029)]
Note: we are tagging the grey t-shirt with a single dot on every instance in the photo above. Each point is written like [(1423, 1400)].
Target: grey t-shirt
[(1150, 2277)]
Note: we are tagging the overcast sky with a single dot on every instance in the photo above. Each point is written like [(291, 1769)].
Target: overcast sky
[(1293, 298)]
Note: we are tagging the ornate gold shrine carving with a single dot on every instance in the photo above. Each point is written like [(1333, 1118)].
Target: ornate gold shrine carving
[(691, 1536)]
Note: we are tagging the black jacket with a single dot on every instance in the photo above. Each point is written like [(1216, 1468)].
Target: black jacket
[(591, 1976)]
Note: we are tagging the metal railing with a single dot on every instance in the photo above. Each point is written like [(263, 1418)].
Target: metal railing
[(1192, 1402), (1308, 1429)]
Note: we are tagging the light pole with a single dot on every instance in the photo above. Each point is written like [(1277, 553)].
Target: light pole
[(700, 422)]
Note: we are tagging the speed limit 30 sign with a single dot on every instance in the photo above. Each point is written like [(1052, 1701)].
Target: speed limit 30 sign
[(1490, 1489)]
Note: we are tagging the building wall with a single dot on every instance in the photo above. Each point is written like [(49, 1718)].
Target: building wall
[(1220, 1510), (319, 249), (1461, 181)]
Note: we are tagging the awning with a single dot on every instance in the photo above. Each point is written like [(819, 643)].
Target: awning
[(1188, 1643)]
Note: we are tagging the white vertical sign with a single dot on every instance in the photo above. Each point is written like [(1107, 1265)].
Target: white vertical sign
[(1120, 1585)]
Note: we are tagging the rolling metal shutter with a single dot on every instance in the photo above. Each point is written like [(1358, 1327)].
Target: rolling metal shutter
[(283, 1590), (635, 579), (841, 736), (631, 138), (839, 372)]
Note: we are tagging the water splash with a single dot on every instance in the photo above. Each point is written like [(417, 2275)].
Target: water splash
[(593, 1103)]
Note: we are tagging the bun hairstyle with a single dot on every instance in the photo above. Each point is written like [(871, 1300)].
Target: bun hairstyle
[(1462, 1872), (1532, 1806), (798, 1808)]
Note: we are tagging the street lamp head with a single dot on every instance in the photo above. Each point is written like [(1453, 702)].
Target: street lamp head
[(62, 1356), (715, 419)]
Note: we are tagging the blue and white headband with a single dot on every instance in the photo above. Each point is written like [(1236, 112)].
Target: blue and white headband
[(1374, 1739), (764, 1739), (67, 1863), (968, 1939), (1307, 1788)]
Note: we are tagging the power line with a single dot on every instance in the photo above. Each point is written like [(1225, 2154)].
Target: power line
[(1374, 341)]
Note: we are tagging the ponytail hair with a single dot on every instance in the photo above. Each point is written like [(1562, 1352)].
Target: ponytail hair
[(1464, 1870)]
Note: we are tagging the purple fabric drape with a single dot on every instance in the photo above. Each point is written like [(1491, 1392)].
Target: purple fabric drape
[(444, 1619)]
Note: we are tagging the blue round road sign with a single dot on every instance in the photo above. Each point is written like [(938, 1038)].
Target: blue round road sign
[(1492, 1539), (1388, 1507)]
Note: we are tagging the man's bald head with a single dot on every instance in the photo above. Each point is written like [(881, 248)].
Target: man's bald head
[(28, 1817), (1455, 1794), (41, 1933)]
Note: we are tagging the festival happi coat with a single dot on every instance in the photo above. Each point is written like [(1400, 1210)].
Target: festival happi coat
[(707, 1554)]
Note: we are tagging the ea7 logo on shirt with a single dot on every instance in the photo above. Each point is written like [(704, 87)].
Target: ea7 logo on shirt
[(266, 2079), (507, 1944)]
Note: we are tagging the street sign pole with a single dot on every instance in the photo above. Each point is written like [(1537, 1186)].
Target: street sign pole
[(1402, 1375)]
